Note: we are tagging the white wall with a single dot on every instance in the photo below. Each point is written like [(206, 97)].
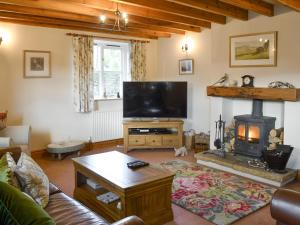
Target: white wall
[(288, 68), (169, 54), (46, 104)]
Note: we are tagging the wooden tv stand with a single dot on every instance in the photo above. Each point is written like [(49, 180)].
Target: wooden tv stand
[(171, 137)]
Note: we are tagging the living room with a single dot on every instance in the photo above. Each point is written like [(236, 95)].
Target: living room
[(47, 104)]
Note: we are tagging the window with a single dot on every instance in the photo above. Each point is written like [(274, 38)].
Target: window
[(111, 68)]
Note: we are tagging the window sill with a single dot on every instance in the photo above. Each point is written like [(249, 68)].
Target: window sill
[(107, 99)]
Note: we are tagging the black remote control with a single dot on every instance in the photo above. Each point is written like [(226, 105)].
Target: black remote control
[(137, 164)]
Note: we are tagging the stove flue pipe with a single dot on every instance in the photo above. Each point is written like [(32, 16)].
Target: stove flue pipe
[(257, 108)]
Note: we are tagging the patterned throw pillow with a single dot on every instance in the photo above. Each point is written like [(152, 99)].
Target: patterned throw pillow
[(12, 166), (32, 179), (3, 117), (5, 172)]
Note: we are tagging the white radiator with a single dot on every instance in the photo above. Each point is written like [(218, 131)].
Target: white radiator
[(107, 125)]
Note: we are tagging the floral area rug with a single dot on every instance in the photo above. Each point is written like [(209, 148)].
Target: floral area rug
[(219, 197)]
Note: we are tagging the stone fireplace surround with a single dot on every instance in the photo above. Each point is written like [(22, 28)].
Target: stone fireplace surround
[(287, 115)]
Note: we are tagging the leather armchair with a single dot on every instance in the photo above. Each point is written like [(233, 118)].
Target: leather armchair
[(67, 211), (285, 207), (131, 220)]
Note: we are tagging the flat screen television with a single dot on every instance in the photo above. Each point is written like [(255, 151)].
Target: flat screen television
[(155, 99)]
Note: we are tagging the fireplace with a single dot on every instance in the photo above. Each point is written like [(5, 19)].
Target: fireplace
[(252, 131)]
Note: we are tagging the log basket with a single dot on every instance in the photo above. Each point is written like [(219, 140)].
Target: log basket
[(278, 158)]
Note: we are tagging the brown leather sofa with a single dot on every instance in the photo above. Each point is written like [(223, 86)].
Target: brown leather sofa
[(67, 211), (285, 207)]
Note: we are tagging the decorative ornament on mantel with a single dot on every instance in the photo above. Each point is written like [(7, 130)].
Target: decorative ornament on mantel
[(248, 81), (280, 84), (121, 20), (222, 81)]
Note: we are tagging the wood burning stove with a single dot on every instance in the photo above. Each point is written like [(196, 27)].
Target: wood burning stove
[(252, 131)]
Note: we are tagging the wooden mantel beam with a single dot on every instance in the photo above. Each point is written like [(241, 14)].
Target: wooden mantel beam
[(294, 4), (271, 94), (174, 8), (257, 6), (217, 7)]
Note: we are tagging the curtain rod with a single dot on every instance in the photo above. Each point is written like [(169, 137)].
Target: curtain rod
[(106, 38)]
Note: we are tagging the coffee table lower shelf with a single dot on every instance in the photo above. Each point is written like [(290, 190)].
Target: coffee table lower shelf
[(150, 201)]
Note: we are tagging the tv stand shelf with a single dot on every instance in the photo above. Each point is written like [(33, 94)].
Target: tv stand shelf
[(161, 134)]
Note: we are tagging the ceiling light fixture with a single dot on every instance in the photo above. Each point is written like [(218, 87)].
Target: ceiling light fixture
[(102, 18), (121, 20)]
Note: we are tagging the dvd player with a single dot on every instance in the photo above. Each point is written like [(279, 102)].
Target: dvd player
[(150, 131)]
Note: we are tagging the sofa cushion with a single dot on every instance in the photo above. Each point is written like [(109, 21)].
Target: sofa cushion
[(32, 179), (5, 173), (67, 211), (53, 189), (12, 166), (14, 151), (22, 210)]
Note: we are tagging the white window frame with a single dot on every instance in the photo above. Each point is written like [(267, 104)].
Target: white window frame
[(125, 64)]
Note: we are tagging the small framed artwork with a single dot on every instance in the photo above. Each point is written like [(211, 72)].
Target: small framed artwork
[(37, 64), (253, 50), (186, 67)]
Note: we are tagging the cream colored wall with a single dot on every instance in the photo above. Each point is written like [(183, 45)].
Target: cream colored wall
[(46, 104), (212, 61), (286, 22), (169, 54)]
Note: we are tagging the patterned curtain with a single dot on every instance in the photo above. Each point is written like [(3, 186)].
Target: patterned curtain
[(138, 60), (83, 74)]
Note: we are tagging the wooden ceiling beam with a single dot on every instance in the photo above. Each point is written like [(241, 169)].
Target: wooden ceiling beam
[(294, 4), (174, 8), (217, 7), (79, 17), (62, 26), (79, 9), (80, 25), (162, 23), (257, 6), (140, 11)]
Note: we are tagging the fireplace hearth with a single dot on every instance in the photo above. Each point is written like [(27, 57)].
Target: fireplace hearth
[(251, 131)]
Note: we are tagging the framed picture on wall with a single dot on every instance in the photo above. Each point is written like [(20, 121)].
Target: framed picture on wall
[(186, 67), (37, 64), (253, 50)]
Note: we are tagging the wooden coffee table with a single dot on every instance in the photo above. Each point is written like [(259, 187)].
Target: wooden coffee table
[(144, 192)]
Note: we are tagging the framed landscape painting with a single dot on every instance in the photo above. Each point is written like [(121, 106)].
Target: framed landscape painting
[(252, 50), (186, 67), (37, 64)]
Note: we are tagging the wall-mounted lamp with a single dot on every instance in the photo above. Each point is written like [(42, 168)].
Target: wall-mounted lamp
[(185, 48), (0, 40), (187, 45)]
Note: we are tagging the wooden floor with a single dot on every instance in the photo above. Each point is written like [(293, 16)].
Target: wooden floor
[(61, 173)]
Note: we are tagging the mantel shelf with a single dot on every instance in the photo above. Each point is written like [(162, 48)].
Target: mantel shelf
[(272, 94)]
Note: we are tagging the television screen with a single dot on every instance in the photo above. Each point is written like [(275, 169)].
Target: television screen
[(155, 99)]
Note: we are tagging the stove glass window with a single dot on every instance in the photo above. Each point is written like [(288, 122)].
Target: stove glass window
[(242, 132), (253, 134)]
